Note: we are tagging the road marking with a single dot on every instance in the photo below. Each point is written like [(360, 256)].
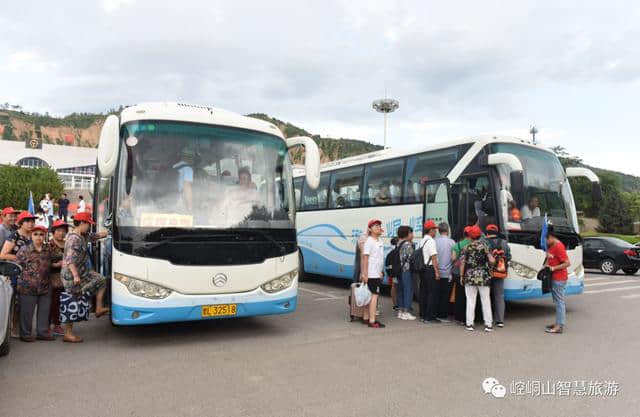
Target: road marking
[(635, 287), (323, 294), (630, 296), (610, 283), (596, 279)]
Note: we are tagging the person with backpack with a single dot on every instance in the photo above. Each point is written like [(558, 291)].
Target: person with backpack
[(398, 261), (429, 273), (499, 248), (393, 276)]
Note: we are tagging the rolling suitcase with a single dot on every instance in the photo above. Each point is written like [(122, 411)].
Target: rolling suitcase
[(355, 312)]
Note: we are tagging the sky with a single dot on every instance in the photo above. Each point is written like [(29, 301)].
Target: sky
[(458, 69)]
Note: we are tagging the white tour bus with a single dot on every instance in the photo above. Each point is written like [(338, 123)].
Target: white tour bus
[(501, 180), (199, 204)]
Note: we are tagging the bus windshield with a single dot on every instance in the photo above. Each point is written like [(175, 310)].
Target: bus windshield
[(187, 175), (546, 191)]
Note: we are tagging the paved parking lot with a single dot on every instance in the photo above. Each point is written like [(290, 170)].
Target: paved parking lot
[(316, 363)]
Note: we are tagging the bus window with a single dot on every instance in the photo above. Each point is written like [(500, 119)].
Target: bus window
[(383, 183), (345, 188), (297, 189), (427, 167), (316, 199)]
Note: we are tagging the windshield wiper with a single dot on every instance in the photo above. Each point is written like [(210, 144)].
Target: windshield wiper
[(266, 235), (179, 237)]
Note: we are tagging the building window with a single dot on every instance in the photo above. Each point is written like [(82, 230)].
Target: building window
[(32, 162)]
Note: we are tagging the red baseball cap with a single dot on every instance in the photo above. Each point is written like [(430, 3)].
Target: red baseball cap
[(474, 232), (39, 227), (59, 223), (466, 230), (430, 224), (9, 210), (85, 216), (25, 215), (492, 228), (374, 222)]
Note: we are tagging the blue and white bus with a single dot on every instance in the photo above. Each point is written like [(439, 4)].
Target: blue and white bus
[(501, 180), (199, 203)]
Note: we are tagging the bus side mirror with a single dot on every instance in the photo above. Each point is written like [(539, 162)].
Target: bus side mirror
[(596, 191), (517, 182), (109, 146), (311, 159)]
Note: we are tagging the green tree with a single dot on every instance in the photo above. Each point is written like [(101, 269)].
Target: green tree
[(633, 203), (16, 182), (614, 213)]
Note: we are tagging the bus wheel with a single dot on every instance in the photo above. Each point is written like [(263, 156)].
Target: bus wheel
[(301, 274)]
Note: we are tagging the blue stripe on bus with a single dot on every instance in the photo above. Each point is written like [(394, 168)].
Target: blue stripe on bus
[(121, 315), (317, 264), (518, 294), (330, 226)]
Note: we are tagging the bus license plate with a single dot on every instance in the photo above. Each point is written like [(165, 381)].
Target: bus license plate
[(219, 310)]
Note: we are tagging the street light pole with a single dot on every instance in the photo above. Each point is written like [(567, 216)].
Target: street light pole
[(533, 132), (385, 106)]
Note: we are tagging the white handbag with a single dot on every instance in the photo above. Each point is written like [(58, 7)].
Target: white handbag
[(362, 294)]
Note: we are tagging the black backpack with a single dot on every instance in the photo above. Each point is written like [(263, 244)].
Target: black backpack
[(416, 263), (392, 264)]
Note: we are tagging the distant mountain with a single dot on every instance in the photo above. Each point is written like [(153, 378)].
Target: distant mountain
[(83, 129)]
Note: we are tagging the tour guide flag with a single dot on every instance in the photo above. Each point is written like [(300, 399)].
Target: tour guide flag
[(30, 208), (544, 233)]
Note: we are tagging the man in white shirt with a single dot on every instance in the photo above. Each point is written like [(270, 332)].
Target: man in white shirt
[(81, 205), (531, 209), (429, 277), (372, 270)]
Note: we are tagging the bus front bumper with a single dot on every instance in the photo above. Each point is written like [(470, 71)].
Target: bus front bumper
[(527, 289), (130, 310)]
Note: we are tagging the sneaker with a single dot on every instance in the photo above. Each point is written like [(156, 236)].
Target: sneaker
[(445, 320), (377, 325), (500, 324), (488, 329), (400, 315), (58, 330), (396, 308), (470, 328), (432, 321), (409, 316)]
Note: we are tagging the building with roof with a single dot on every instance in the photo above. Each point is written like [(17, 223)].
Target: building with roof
[(76, 166)]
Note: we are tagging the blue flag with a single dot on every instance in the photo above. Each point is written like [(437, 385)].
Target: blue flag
[(30, 207), (544, 233)]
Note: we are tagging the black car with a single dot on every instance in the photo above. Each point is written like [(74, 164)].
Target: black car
[(609, 254)]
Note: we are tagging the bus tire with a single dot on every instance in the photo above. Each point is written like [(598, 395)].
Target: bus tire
[(301, 275), (608, 266)]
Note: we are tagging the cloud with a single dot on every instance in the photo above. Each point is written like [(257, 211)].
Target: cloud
[(457, 69)]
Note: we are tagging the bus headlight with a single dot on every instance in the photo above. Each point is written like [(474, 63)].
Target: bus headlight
[(143, 288), (281, 283), (523, 270)]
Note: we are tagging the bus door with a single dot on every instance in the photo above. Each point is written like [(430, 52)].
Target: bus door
[(437, 199)]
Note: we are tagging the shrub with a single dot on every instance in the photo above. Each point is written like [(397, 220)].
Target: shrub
[(16, 182)]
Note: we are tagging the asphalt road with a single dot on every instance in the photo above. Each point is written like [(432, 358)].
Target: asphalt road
[(316, 363)]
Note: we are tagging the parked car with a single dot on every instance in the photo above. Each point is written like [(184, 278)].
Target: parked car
[(610, 254), (7, 270)]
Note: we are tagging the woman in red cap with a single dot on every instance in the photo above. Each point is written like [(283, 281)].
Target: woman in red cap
[(78, 280), (34, 286), (56, 247), (21, 237), (475, 272)]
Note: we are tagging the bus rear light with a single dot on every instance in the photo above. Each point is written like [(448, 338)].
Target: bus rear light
[(142, 288), (281, 283)]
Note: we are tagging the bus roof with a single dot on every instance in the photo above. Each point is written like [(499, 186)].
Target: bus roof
[(384, 154), (182, 112)]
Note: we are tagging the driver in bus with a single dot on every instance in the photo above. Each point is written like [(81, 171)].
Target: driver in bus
[(531, 209), (185, 176), (244, 179)]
